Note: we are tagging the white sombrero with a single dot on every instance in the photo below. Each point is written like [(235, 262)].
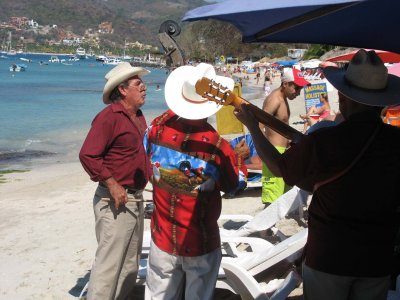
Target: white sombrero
[(181, 96), (119, 74)]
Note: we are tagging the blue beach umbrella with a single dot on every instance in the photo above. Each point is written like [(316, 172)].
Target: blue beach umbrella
[(289, 63), (352, 23)]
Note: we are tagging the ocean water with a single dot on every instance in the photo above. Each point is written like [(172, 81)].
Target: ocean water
[(46, 111)]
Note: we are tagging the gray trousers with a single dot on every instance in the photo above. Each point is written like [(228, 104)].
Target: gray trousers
[(319, 285), (119, 235), (171, 277)]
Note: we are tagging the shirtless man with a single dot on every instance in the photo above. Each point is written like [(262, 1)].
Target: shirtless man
[(277, 105)]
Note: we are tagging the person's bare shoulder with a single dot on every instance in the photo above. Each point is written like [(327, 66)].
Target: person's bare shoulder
[(273, 101)]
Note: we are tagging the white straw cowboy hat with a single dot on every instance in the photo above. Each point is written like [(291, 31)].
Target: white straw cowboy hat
[(119, 74), (366, 80), (181, 96)]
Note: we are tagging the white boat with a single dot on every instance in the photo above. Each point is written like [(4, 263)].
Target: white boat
[(90, 53), (3, 47), (73, 58), (54, 59), (80, 53), (12, 52), (18, 68), (25, 59), (101, 58), (112, 61), (9, 50), (125, 56)]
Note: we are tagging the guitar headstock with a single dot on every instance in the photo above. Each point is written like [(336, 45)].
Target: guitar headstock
[(213, 91)]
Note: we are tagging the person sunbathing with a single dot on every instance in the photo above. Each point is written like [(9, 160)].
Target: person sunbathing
[(316, 114)]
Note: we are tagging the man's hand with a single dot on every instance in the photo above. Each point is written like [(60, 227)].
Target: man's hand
[(242, 149), (118, 193), (246, 116)]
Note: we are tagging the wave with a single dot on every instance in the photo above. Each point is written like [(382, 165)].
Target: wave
[(29, 142)]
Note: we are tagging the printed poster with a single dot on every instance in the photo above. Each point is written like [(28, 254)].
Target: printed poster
[(312, 93)]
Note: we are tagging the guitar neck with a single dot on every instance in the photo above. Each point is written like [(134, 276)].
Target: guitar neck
[(213, 91), (270, 121)]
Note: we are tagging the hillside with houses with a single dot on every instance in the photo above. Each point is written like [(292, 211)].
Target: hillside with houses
[(95, 24)]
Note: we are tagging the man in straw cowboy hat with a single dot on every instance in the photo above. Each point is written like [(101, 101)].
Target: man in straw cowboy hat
[(353, 171), (113, 155), (192, 164)]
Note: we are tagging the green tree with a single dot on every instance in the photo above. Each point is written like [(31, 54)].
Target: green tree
[(316, 51)]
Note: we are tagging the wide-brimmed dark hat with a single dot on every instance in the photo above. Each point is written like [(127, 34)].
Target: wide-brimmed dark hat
[(366, 80)]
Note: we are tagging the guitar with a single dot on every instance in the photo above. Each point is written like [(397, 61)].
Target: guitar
[(213, 91)]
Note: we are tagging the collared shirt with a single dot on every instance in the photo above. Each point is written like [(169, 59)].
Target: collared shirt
[(184, 221), (352, 220), (114, 148)]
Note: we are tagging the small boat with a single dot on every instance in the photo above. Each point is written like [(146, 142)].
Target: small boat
[(12, 52), (90, 53), (80, 53), (54, 59), (112, 61), (8, 48), (127, 57), (101, 58), (18, 68), (25, 59), (73, 58)]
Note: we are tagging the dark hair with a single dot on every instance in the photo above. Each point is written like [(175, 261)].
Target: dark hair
[(325, 96), (115, 95)]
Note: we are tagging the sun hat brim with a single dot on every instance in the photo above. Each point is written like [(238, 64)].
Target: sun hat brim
[(383, 97), (119, 74), (180, 106)]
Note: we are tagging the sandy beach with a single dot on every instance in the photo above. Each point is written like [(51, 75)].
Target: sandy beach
[(47, 224)]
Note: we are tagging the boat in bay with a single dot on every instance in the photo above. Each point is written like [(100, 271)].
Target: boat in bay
[(18, 68), (112, 61), (54, 59), (81, 53)]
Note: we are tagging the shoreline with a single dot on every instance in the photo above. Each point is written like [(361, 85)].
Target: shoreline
[(65, 144), (44, 53)]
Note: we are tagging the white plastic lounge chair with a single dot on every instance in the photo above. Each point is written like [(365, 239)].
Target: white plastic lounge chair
[(248, 287), (258, 261), (263, 256), (253, 254), (289, 202)]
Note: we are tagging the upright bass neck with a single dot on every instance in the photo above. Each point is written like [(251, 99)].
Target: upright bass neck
[(223, 96)]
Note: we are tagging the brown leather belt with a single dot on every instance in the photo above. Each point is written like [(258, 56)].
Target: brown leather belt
[(134, 192), (137, 194)]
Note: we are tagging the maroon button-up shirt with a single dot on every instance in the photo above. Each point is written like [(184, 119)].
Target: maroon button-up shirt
[(114, 148)]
